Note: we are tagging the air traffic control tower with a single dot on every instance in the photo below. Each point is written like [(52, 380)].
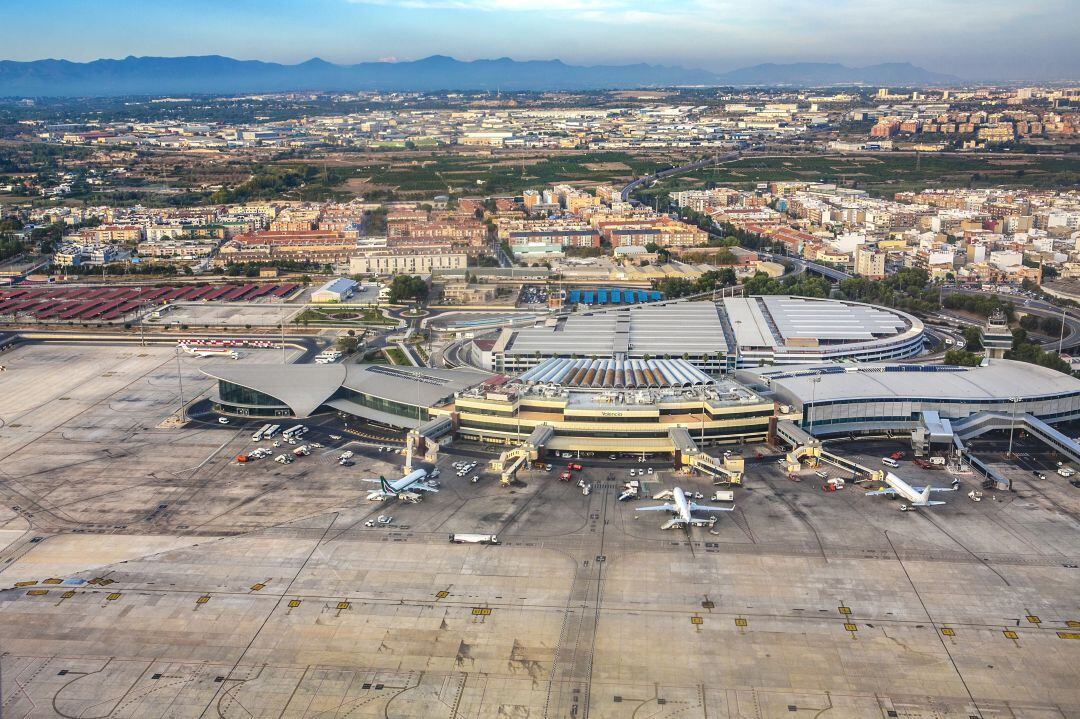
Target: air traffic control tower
[(997, 338)]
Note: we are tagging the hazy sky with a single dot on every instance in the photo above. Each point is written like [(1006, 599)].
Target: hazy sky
[(977, 39)]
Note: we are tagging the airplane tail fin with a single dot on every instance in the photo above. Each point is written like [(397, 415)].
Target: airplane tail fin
[(924, 498), (385, 485)]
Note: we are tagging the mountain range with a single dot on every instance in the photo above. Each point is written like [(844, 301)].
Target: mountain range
[(215, 74)]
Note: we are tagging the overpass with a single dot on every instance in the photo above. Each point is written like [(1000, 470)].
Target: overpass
[(624, 195)]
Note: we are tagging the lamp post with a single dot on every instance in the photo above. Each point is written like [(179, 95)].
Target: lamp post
[(1012, 424)]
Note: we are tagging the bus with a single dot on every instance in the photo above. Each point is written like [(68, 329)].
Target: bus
[(271, 431), (297, 431), (257, 436), (474, 539)]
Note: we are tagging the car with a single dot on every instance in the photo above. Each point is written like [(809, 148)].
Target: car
[(574, 466), (346, 462), (223, 420), (633, 472), (335, 437), (384, 519), (650, 470)]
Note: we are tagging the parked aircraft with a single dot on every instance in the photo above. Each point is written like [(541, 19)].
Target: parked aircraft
[(407, 488), (916, 496), (683, 510)]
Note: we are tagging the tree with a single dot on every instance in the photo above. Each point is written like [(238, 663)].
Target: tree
[(962, 358), (408, 287), (973, 339)]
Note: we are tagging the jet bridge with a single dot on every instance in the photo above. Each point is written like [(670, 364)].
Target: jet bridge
[(806, 447), (688, 454), (510, 461)]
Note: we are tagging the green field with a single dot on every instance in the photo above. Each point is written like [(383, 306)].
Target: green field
[(501, 174), (885, 174)]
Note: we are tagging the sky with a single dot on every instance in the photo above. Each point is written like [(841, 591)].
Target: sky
[(973, 39)]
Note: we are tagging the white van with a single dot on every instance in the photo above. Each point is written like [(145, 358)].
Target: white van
[(889, 462)]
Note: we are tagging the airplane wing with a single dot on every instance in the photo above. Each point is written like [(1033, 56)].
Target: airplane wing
[(660, 508), (673, 522), (935, 489), (706, 508), (423, 487), (887, 490)]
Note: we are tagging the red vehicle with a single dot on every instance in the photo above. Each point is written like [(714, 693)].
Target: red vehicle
[(828, 488), (574, 467), (897, 455), (565, 476)]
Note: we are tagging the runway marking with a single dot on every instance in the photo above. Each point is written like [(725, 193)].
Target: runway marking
[(37, 592), (113, 597), (293, 604), (1010, 634), (481, 611), (740, 622), (946, 631), (203, 599), (844, 610), (1032, 619), (696, 620), (1069, 635), (256, 587), (28, 583), (850, 627), (1072, 623), (52, 581), (343, 605)]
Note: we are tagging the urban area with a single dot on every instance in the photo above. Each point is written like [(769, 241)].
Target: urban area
[(669, 403)]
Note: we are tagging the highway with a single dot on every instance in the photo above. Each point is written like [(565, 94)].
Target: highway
[(629, 189), (1037, 307)]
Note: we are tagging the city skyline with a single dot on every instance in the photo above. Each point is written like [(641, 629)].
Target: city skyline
[(992, 41)]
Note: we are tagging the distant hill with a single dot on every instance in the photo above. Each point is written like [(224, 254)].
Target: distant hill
[(214, 74), (816, 74)]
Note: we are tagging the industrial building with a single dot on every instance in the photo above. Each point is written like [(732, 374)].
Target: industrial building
[(337, 290), (716, 337)]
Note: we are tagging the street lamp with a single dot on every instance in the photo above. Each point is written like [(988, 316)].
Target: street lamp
[(1012, 424)]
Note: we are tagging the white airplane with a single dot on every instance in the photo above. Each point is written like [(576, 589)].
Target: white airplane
[(211, 351), (683, 509), (406, 488), (916, 496)]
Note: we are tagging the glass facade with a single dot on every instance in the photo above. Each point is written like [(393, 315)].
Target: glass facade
[(389, 406), (231, 393)]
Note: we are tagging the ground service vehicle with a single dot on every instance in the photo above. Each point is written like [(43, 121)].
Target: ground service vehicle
[(889, 462), (296, 431), (565, 476), (272, 431), (474, 539), (258, 435), (574, 467)]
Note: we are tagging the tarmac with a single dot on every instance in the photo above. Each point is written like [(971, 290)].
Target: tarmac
[(160, 578)]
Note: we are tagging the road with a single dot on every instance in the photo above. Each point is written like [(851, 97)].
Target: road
[(629, 189), (1039, 308)]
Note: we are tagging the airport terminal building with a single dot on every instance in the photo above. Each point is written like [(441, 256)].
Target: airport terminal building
[(831, 399), (718, 336), (614, 406)]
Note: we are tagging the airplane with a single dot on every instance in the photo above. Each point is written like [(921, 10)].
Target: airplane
[(683, 509), (406, 489), (916, 496), (211, 351)]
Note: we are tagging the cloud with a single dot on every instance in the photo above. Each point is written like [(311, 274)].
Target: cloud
[(498, 5)]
